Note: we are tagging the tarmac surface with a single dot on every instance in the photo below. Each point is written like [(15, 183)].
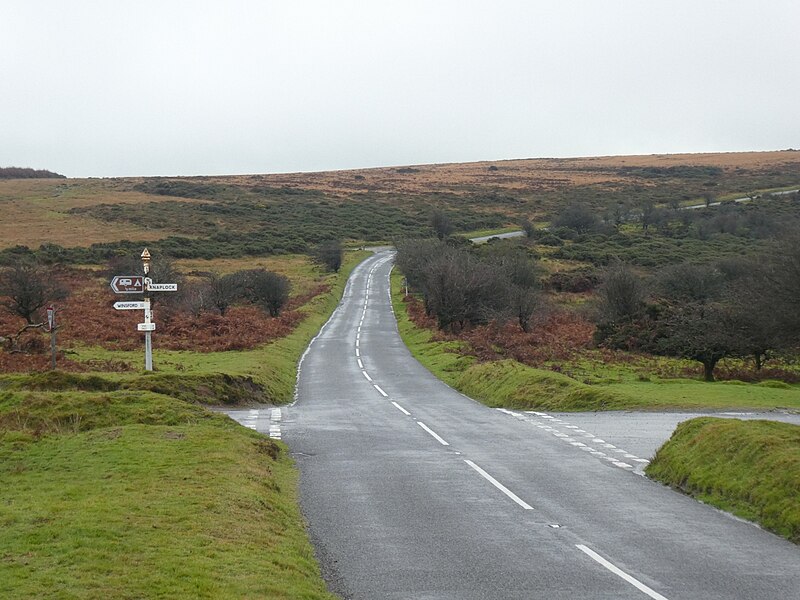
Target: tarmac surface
[(413, 491)]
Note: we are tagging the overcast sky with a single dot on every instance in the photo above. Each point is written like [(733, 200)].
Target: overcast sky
[(106, 88)]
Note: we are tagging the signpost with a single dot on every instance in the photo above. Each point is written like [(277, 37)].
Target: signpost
[(141, 284), (128, 284), (160, 287), (51, 327), (131, 305)]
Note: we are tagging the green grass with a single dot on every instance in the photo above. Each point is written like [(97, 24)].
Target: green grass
[(749, 468), (700, 395), (129, 494), (121, 485), (510, 384)]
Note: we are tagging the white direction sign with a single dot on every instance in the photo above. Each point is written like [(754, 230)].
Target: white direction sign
[(131, 305), (128, 284), (162, 287), (146, 326)]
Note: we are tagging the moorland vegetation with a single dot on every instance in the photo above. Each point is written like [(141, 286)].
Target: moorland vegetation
[(576, 315)]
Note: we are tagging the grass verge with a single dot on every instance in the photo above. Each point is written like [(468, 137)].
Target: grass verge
[(510, 384), (506, 383), (130, 494), (748, 468), (122, 486)]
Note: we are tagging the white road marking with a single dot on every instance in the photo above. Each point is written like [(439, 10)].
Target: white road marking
[(275, 426), (575, 430), (356, 342), (357, 353), (499, 485), (360, 364), (620, 573), (382, 393), (365, 374), (436, 436), (401, 409)]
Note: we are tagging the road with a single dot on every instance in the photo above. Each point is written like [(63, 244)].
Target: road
[(765, 195), (412, 490), (485, 238)]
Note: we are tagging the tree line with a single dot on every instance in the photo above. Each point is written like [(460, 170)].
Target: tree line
[(460, 287), (747, 307)]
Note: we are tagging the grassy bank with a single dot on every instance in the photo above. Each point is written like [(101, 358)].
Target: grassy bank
[(121, 485), (749, 468), (130, 494), (510, 384)]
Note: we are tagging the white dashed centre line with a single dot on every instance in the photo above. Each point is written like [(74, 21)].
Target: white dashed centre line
[(401, 409), (380, 391), (620, 573), (365, 374), (499, 486), (360, 364), (435, 435)]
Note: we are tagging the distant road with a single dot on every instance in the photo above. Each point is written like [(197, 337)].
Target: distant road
[(742, 199), (485, 238), (513, 234), (412, 490)]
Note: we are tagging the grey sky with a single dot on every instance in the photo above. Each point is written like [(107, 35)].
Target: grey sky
[(105, 88)]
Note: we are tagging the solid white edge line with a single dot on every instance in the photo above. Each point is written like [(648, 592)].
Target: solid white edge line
[(401, 409), (365, 374), (499, 485), (377, 387), (620, 573), (433, 433)]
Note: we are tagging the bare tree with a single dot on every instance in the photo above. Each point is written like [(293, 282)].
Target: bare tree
[(224, 290), (621, 295), (27, 287), (578, 217), (528, 228), (266, 289), (329, 254), (441, 224)]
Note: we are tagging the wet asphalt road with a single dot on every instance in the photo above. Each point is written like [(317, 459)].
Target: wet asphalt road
[(412, 490)]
